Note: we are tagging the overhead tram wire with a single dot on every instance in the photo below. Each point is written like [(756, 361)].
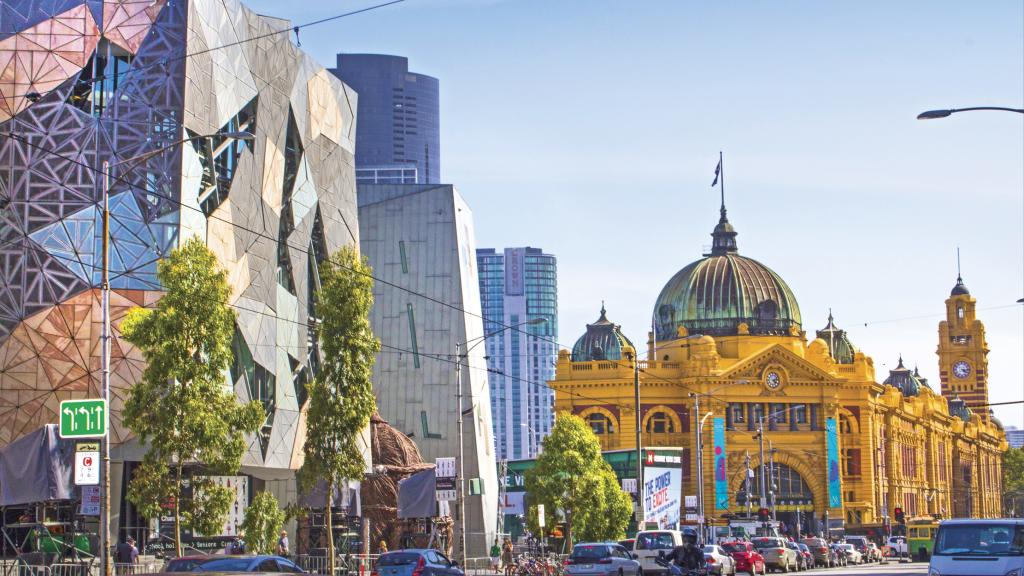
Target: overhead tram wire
[(164, 61)]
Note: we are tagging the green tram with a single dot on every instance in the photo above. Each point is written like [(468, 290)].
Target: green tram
[(920, 537)]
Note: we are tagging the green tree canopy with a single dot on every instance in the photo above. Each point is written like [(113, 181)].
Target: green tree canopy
[(341, 398), (571, 476), (263, 521), (183, 410), (1013, 472)]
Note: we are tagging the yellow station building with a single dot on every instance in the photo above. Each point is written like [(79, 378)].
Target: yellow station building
[(729, 334)]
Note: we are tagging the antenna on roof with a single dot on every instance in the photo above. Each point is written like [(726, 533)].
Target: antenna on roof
[(958, 276)]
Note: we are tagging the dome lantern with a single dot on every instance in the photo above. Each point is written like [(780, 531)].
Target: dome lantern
[(603, 340)]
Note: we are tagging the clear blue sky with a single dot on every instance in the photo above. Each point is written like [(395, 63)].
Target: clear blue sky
[(591, 128)]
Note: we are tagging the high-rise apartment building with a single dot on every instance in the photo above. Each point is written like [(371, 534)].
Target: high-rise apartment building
[(518, 286), (399, 129)]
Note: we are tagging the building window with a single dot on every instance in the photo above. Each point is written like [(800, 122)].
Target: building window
[(851, 462), (800, 413), (412, 337), (600, 423), (401, 253), (660, 423)]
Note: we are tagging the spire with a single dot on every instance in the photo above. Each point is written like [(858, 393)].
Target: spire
[(604, 317), (724, 235), (959, 289), (900, 366)]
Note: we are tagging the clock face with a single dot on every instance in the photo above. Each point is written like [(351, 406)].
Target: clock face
[(961, 369), (772, 379)]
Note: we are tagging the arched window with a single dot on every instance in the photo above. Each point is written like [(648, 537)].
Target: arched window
[(791, 487), (661, 423), (960, 312), (600, 423)]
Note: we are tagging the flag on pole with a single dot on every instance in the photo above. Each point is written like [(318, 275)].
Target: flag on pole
[(718, 170)]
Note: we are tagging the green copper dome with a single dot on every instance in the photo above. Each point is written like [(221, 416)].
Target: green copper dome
[(839, 345), (603, 340), (716, 294)]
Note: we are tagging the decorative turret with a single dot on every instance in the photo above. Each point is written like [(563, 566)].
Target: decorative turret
[(839, 345), (903, 380), (603, 340)]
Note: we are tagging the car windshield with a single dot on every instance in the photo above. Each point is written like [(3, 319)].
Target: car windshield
[(710, 550), (734, 547), (183, 564), (846, 546), (224, 565), (980, 539), (766, 543), (398, 559), (655, 541), (590, 552)]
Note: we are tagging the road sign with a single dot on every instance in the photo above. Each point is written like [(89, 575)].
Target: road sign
[(83, 418), (87, 464), (90, 501), (540, 515), (690, 501), (444, 476)]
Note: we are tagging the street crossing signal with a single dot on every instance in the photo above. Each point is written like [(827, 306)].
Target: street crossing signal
[(899, 515)]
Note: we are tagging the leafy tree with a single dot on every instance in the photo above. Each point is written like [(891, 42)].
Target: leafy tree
[(182, 409), (263, 521), (1013, 478), (341, 398), (570, 475)]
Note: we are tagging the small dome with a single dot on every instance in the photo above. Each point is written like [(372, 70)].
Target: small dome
[(959, 289), (959, 409), (716, 294), (602, 341), (840, 347), (904, 380)]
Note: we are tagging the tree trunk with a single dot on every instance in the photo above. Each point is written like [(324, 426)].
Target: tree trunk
[(177, 513), (330, 528)]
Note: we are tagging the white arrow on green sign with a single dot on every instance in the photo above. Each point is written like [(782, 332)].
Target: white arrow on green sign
[(83, 418)]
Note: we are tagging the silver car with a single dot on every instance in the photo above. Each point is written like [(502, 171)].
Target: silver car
[(719, 561), (601, 559)]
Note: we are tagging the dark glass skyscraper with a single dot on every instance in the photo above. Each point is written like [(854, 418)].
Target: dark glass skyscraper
[(399, 128)]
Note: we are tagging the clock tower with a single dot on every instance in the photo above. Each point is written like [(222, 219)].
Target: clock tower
[(963, 363)]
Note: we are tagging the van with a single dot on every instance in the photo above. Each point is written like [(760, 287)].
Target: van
[(649, 543), (979, 547)]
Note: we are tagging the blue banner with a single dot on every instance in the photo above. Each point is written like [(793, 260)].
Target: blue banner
[(835, 496), (721, 485)]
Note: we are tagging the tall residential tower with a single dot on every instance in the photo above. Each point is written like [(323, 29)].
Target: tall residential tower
[(399, 130), (518, 286)]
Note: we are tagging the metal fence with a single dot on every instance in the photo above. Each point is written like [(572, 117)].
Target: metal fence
[(18, 567), (344, 565)]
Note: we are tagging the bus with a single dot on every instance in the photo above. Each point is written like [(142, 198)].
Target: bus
[(920, 536)]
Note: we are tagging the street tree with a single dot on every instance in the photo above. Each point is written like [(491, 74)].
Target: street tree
[(263, 521), (1013, 479), (341, 398), (571, 476), (182, 410)]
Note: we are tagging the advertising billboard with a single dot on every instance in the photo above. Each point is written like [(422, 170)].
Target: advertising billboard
[(663, 487), (835, 496), (721, 483)]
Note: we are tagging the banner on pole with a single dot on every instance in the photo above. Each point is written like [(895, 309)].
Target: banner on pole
[(835, 496), (719, 460)]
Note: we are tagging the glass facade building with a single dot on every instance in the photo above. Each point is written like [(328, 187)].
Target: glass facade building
[(517, 286), (399, 129)]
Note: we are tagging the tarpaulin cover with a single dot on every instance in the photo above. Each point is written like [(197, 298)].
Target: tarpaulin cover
[(416, 497), (346, 495), (37, 468)]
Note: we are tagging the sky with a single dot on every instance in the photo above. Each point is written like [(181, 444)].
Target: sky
[(591, 129)]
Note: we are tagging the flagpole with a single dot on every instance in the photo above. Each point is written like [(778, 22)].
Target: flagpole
[(721, 177)]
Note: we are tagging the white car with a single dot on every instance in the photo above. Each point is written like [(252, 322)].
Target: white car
[(897, 546), (988, 547), (719, 561), (853, 556), (650, 543)]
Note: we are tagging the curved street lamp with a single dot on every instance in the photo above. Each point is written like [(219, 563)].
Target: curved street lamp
[(934, 114)]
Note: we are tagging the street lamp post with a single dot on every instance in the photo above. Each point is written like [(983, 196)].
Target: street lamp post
[(105, 336), (935, 114), (459, 355)]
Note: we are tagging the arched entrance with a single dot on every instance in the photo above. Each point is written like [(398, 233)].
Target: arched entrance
[(793, 497)]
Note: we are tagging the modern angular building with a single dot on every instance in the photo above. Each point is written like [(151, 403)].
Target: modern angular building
[(399, 131), (518, 286), (86, 82), (419, 240)]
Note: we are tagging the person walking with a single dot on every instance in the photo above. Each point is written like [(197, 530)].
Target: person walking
[(495, 556), (126, 556), (282, 545), (507, 559)]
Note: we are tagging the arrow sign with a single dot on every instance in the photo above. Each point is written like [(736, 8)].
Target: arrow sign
[(83, 418)]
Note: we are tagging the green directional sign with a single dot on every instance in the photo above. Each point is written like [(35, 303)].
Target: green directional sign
[(83, 418)]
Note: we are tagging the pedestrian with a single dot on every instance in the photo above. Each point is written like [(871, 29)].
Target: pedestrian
[(495, 556), (126, 556), (383, 548), (282, 545), (506, 557), (238, 544)]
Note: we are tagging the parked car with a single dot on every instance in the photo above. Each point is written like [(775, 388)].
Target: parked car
[(801, 562), (184, 563), (861, 544), (980, 547), (416, 561), (874, 552), (897, 546), (628, 544), (601, 559), (747, 558), (649, 543), (823, 554), (719, 561), (808, 557), (260, 563), (841, 558), (853, 556), (776, 555)]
